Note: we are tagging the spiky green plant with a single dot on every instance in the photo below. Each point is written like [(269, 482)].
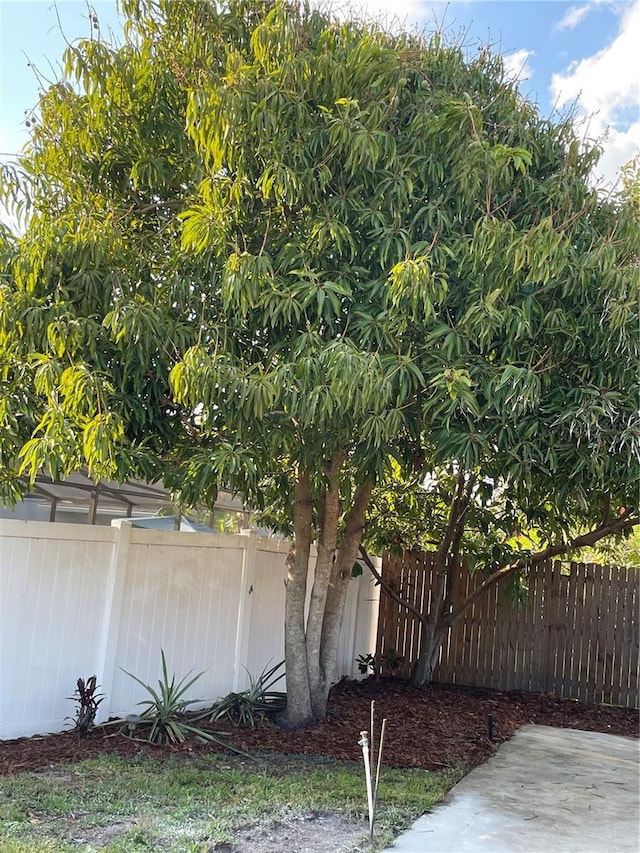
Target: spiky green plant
[(251, 705), (165, 713)]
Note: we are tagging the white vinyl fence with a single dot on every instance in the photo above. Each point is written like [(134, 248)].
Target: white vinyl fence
[(78, 600)]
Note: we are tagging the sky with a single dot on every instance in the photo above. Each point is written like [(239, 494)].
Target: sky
[(583, 54)]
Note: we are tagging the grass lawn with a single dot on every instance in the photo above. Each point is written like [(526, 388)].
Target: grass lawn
[(202, 804)]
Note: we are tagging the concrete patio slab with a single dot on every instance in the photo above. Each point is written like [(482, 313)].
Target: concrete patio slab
[(547, 790)]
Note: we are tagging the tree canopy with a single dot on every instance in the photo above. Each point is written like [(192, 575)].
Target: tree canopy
[(289, 255)]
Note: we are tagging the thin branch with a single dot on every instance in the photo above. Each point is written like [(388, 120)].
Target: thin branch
[(266, 234), (366, 559), (450, 545), (454, 517), (626, 520), (542, 358), (167, 204)]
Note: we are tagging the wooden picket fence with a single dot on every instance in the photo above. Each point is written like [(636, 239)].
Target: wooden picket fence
[(576, 635)]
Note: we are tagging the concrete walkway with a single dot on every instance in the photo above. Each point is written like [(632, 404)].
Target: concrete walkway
[(546, 790)]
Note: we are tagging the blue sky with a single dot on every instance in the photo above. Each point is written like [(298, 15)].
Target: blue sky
[(584, 53)]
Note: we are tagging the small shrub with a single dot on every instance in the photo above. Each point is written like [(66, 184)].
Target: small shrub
[(87, 701), (366, 663), (250, 706), (388, 663), (164, 716)]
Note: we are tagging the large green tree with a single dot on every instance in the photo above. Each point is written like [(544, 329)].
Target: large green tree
[(274, 251)]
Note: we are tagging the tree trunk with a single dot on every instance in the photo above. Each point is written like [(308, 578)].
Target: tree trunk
[(423, 668), (336, 598), (299, 712), (311, 649), (329, 515)]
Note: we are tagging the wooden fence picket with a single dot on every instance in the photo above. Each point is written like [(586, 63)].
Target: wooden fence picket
[(577, 634)]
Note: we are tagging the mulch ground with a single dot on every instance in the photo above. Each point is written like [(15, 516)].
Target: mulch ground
[(430, 728)]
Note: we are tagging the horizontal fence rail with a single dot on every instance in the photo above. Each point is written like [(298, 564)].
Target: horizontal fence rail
[(577, 633)]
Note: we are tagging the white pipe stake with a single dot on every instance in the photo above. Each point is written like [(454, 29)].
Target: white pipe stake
[(364, 743)]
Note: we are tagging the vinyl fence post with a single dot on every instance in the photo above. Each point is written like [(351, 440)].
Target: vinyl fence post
[(108, 646), (245, 609)]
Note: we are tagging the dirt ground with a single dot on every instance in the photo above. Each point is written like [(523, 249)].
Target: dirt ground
[(432, 728), (312, 833)]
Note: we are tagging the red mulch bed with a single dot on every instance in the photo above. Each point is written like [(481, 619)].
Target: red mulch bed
[(431, 728)]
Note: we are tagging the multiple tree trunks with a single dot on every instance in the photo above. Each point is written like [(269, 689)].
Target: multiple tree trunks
[(311, 641), (272, 252), (576, 634)]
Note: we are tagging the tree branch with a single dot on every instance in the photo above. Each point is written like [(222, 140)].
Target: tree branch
[(366, 559), (450, 544), (626, 520), (454, 518)]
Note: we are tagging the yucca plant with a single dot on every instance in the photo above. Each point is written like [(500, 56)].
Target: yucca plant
[(251, 705), (165, 712)]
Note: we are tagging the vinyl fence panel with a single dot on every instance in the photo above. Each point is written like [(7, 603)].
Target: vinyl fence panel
[(78, 600), (52, 591)]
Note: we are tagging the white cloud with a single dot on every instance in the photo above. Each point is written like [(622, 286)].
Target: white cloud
[(620, 146), (576, 14), (606, 90), (573, 16), (402, 13), (516, 64)]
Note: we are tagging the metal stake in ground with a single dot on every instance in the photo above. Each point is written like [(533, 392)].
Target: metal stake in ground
[(364, 743), (372, 740), (375, 787)]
